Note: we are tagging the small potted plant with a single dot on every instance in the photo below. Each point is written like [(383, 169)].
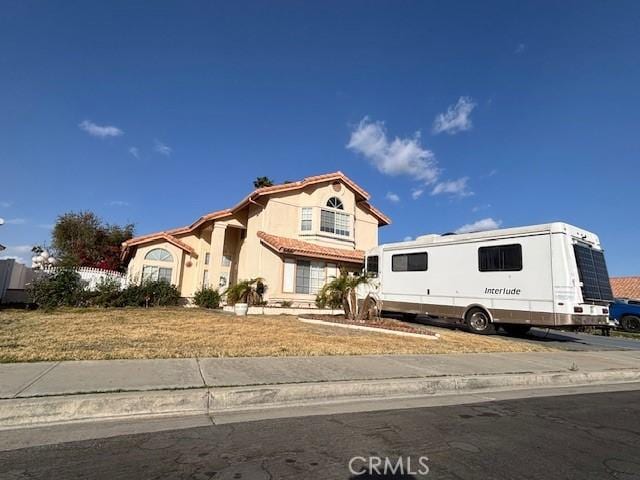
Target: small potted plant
[(244, 294)]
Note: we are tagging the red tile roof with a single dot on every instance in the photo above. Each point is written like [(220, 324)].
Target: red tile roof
[(257, 193), (626, 287), (312, 250)]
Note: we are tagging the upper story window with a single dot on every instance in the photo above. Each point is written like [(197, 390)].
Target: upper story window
[(332, 221), (159, 255), (306, 218), (335, 202), (335, 222)]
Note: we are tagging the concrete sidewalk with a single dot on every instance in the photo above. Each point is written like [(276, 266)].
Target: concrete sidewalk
[(46, 392)]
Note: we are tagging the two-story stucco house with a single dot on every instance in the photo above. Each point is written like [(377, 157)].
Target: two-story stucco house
[(295, 236)]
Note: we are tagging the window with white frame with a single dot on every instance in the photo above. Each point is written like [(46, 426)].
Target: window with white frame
[(226, 260), (306, 219), (335, 202), (205, 278), (332, 220), (154, 273), (207, 258), (335, 222), (310, 276), (159, 255)]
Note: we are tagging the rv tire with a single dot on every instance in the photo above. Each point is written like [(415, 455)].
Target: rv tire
[(630, 323), (516, 330), (479, 321), (409, 317)]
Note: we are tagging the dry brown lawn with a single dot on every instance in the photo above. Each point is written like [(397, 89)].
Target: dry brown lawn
[(96, 334)]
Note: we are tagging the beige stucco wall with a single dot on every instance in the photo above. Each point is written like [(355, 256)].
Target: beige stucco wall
[(278, 214)]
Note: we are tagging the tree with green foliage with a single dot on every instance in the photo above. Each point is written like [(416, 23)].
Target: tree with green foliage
[(341, 291), (82, 240), (260, 182)]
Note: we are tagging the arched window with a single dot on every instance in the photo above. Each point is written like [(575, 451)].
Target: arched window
[(159, 255), (335, 202)]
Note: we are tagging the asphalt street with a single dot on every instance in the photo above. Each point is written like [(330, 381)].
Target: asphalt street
[(562, 340), (590, 436)]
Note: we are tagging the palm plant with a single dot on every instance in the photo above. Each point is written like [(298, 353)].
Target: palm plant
[(260, 182), (341, 292), (246, 291)]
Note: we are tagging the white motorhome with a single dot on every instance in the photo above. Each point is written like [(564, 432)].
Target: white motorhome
[(551, 275)]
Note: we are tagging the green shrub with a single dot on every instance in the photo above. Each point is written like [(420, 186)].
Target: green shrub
[(207, 297), (286, 303), (246, 291), (160, 294), (106, 294), (63, 288)]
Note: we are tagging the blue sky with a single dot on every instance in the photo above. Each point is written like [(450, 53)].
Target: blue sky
[(503, 113)]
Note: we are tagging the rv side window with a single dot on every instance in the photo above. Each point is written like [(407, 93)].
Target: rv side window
[(372, 266), (409, 262), (501, 258)]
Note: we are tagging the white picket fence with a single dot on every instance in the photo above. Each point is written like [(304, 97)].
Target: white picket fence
[(93, 276)]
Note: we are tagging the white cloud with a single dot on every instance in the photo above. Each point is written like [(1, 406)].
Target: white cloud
[(456, 119), (100, 131), (477, 208), (392, 197), (416, 193), (458, 188), (17, 252), (16, 221), (46, 226), (162, 149), (5, 204), (520, 48), (134, 151), (480, 226), (407, 239), (400, 156), (118, 203)]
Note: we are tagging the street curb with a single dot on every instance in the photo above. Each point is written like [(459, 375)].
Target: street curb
[(230, 399), (26, 412), (38, 411)]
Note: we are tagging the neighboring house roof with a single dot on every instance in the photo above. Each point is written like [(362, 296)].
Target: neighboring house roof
[(2, 247), (162, 236), (307, 249), (626, 287), (253, 196)]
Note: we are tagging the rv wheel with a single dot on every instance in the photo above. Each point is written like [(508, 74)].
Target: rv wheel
[(478, 321), (630, 323)]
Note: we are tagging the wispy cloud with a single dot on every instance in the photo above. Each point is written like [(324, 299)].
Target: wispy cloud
[(162, 149), (118, 203), (456, 119), (477, 208), (5, 204), (46, 226), (100, 131), (480, 226), (17, 252), (400, 156), (416, 193), (458, 188), (15, 221), (520, 48), (134, 151), (392, 197), (407, 238)]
